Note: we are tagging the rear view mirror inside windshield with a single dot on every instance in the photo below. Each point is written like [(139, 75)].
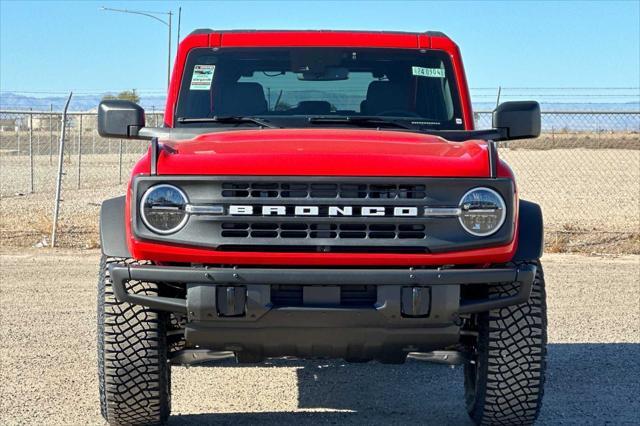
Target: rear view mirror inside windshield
[(328, 74)]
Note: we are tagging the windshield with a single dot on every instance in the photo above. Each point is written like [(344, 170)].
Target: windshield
[(282, 84)]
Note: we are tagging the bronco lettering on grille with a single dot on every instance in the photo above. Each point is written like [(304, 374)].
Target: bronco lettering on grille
[(365, 211)]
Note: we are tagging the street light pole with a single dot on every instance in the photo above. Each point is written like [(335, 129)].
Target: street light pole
[(169, 57), (179, 18), (151, 15)]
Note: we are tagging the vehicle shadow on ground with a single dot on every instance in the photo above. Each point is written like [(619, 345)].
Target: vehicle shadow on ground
[(586, 383)]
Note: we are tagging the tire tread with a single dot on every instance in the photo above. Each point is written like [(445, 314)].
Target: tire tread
[(512, 358), (134, 374)]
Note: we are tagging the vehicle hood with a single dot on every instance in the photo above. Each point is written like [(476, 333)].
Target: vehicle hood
[(323, 152)]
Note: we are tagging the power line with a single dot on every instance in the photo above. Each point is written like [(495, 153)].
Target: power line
[(88, 92), (557, 88), (92, 91)]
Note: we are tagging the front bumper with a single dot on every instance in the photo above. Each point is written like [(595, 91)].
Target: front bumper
[(262, 328), (259, 280)]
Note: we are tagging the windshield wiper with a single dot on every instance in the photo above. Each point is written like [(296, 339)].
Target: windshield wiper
[(228, 119), (362, 121)]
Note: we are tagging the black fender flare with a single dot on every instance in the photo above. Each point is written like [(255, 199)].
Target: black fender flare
[(113, 234), (530, 232)]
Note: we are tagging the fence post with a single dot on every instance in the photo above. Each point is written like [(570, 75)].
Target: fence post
[(18, 128), (31, 150), (63, 124), (79, 149), (120, 163), (50, 134)]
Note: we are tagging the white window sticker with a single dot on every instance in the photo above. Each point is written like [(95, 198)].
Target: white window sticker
[(428, 72), (202, 77)]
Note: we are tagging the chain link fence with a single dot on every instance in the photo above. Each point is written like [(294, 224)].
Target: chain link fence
[(584, 170), (29, 146)]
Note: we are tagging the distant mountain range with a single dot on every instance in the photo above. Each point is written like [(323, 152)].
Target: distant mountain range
[(89, 102), (80, 102)]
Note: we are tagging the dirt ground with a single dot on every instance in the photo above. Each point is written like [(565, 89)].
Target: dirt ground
[(48, 366)]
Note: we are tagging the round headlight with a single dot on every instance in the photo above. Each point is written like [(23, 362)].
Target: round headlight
[(162, 209), (482, 212)]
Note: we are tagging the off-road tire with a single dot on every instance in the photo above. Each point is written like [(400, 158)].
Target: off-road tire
[(505, 385), (133, 373)]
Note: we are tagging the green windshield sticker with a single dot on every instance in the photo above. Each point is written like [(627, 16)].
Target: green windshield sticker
[(202, 77), (428, 72)]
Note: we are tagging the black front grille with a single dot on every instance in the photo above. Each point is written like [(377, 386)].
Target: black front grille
[(323, 230), (324, 214), (350, 295), (294, 190), (322, 248)]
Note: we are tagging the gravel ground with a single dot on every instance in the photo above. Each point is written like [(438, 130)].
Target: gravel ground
[(48, 371), (576, 187)]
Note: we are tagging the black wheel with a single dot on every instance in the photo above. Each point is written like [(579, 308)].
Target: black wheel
[(133, 373), (504, 383)]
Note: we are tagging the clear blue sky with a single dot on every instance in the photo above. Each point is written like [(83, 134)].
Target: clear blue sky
[(58, 46)]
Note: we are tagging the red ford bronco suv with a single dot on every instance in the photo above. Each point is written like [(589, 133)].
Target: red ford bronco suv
[(321, 194)]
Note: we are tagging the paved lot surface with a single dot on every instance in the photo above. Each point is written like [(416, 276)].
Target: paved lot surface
[(48, 372)]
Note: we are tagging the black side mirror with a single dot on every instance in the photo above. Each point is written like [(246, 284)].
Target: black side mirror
[(518, 119), (120, 119)]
